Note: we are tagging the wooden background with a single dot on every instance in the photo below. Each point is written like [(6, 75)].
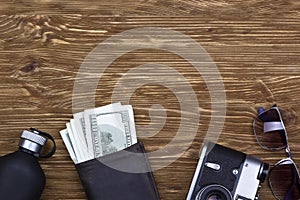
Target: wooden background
[(255, 44)]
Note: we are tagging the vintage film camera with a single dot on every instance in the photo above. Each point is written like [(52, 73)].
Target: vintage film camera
[(226, 174)]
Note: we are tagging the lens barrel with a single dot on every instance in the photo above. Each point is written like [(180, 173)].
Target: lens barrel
[(264, 170), (214, 192)]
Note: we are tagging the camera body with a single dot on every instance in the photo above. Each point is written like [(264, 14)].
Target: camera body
[(226, 174)]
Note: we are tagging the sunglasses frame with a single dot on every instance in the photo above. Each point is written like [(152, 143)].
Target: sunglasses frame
[(286, 147)]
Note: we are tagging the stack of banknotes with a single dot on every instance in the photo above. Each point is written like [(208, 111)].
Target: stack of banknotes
[(100, 131)]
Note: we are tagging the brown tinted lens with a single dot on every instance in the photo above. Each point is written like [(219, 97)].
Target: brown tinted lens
[(283, 182), (273, 139)]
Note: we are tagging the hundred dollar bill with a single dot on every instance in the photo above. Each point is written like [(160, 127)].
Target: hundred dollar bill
[(66, 138), (111, 131), (80, 140), (79, 125), (76, 143), (85, 123), (99, 131)]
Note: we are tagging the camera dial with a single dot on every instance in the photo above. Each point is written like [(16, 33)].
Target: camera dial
[(264, 170)]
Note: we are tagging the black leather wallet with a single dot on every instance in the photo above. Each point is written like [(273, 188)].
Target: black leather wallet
[(122, 175)]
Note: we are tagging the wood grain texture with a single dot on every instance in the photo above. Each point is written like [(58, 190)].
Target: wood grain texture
[(255, 44)]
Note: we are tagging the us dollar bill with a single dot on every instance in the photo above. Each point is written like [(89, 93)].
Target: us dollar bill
[(99, 131), (86, 123), (81, 140), (111, 131), (76, 141), (79, 125), (66, 138)]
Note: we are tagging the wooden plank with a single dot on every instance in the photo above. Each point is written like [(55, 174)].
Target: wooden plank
[(254, 44), (217, 9)]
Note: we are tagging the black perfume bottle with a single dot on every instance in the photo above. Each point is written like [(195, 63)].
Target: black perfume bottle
[(21, 176)]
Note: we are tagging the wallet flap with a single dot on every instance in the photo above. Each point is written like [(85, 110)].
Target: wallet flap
[(122, 175)]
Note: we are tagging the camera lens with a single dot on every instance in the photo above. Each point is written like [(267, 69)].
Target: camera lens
[(214, 192), (214, 197)]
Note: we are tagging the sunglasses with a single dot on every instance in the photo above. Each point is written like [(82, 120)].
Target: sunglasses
[(270, 133)]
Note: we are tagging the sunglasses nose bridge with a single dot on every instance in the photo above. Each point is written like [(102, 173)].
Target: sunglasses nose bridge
[(288, 152)]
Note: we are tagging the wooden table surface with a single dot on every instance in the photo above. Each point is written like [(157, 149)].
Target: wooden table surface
[(255, 45)]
